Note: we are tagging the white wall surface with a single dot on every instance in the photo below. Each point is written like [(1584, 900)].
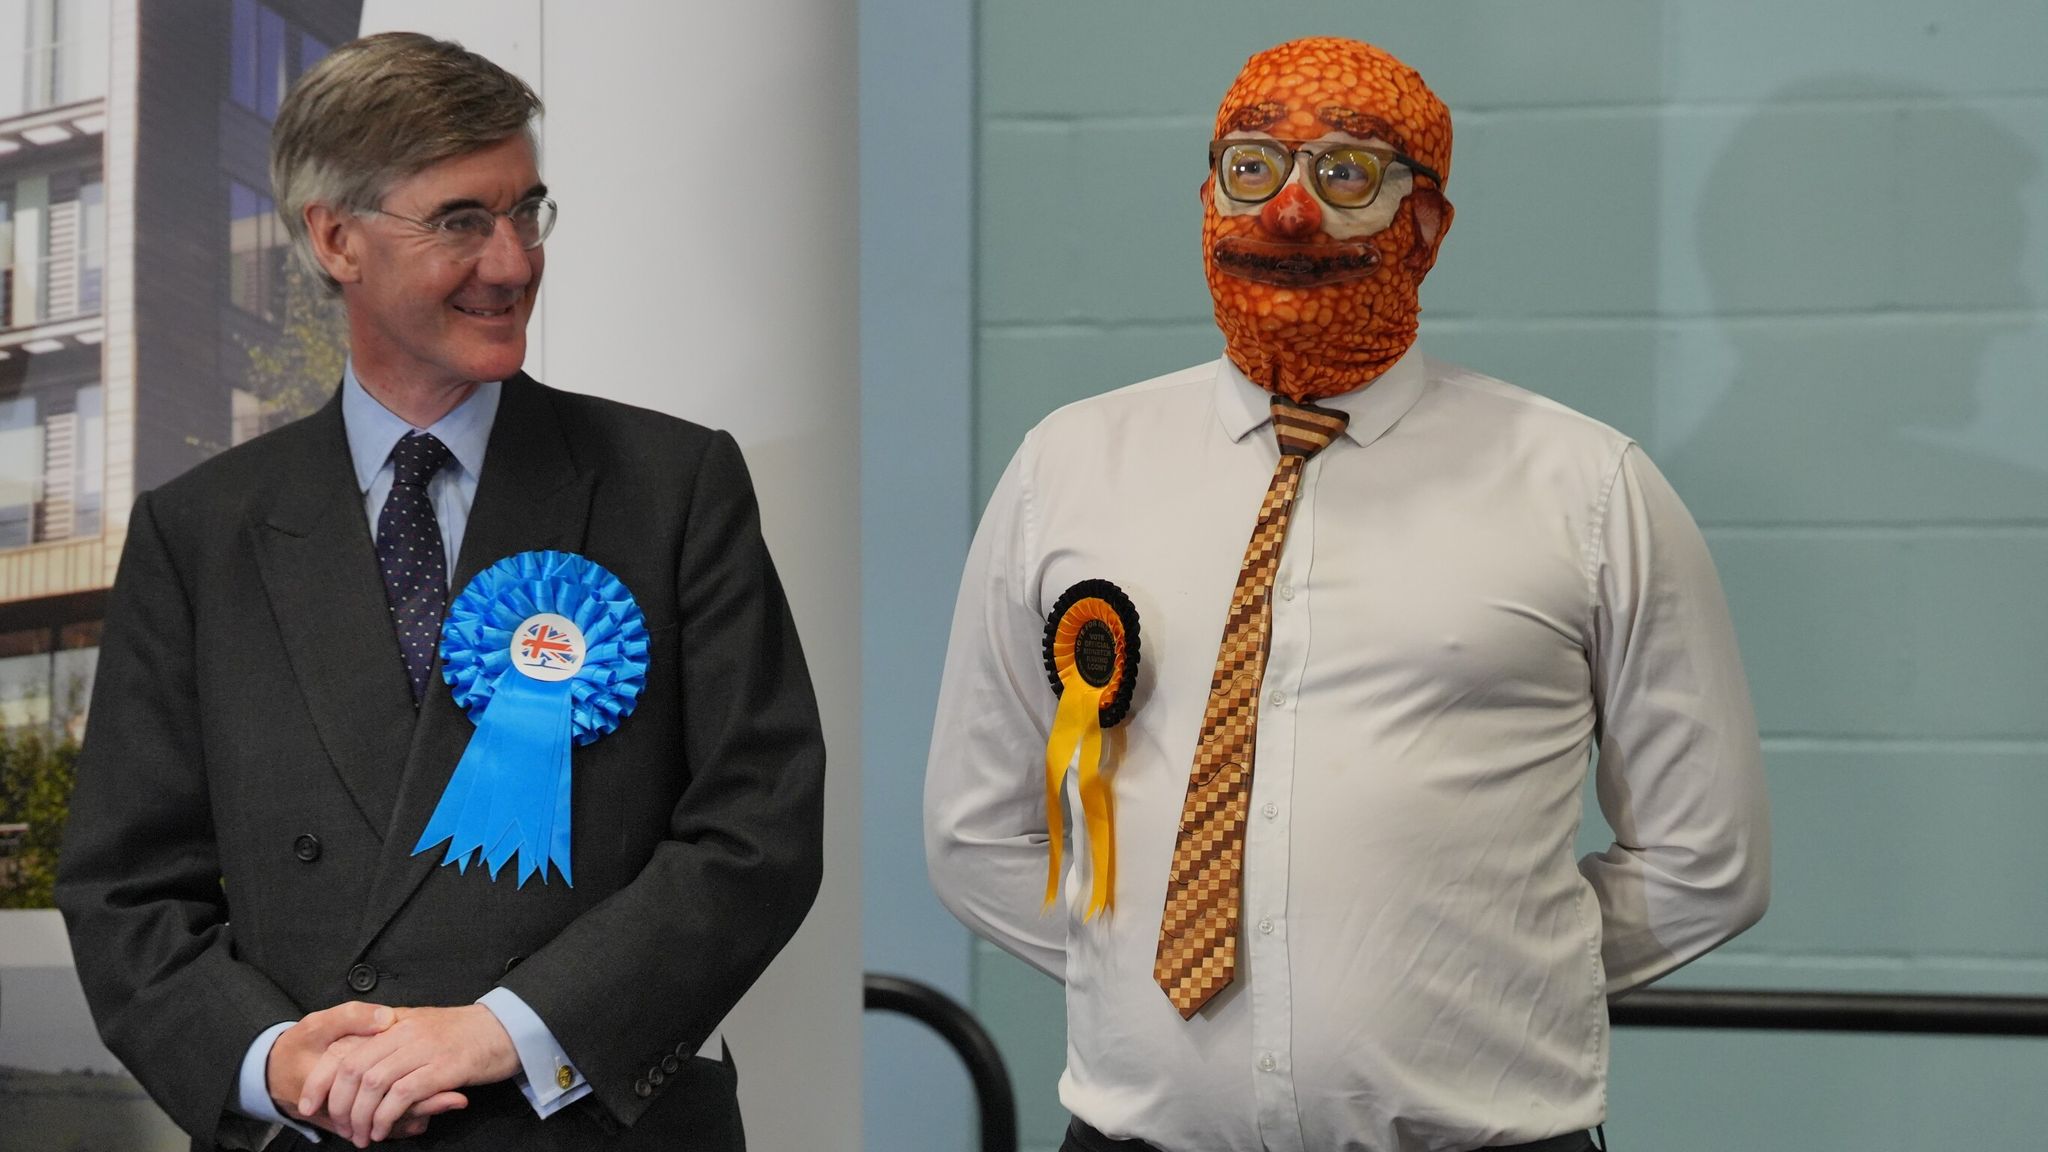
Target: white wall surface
[(705, 265)]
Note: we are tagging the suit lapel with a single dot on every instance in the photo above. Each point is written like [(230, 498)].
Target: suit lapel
[(319, 569), (530, 496)]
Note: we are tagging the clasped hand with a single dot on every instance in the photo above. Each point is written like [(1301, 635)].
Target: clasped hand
[(366, 1072)]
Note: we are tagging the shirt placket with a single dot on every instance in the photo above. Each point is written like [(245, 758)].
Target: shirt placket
[(1268, 833)]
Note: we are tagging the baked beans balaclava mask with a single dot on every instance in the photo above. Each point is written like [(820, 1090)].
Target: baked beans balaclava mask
[(1315, 256)]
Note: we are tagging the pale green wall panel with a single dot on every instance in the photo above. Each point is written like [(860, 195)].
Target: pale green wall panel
[(1069, 235), (1693, 1091), (1742, 49), (1899, 420), (1905, 198), (1025, 270), (1026, 1013), (1921, 635), (1557, 215), (1879, 848), (1087, 58), (1139, 241)]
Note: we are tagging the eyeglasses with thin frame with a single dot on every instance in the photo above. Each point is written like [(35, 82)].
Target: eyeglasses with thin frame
[(465, 231), (1252, 170)]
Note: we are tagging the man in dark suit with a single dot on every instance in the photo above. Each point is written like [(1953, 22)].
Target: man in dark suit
[(261, 943)]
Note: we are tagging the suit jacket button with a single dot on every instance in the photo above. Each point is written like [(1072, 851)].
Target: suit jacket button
[(642, 1089), (655, 1077), (669, 1064), (362, 978), (512, 963), (307, 847)]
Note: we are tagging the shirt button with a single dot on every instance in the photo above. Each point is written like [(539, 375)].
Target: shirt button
[(1269, 810), (1266, 926), (1277, 698), (362, 978), (307, 847), (1287, 591), (1267, 1063)]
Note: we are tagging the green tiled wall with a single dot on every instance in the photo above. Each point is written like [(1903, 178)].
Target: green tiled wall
[(1799, 250)]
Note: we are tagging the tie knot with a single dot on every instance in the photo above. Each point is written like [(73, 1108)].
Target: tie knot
[(1304, 429), (416, 458)]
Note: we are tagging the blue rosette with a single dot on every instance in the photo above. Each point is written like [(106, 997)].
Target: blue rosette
[(545, 651)]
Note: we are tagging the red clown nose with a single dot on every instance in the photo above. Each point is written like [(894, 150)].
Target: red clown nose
[(1292, 215)]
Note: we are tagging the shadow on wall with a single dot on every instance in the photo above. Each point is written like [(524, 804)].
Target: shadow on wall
[(1869, 460), (1864, 259)]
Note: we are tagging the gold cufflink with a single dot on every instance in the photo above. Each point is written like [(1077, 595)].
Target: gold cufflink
[(564, 1077)]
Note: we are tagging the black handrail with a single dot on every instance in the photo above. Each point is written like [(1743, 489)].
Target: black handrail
[(942, 1014), (1717, 1008), (1831, 1012)]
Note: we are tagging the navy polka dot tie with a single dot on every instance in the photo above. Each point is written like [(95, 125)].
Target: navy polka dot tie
[(410, 553)]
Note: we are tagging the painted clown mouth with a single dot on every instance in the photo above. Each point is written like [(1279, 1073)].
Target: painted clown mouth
[(1295, 265)]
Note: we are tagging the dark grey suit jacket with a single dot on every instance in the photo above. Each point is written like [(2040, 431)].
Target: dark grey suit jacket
[(255, 777)]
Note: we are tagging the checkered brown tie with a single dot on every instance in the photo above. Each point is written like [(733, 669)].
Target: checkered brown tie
[(1198, 934)]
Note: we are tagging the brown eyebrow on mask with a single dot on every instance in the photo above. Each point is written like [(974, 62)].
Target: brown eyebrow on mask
[(1256, 117), (1363, 125)]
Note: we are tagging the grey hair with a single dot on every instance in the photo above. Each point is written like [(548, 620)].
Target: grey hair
[(377, 110)]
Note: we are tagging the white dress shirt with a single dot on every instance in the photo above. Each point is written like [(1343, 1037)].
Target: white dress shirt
[(1477, 585)]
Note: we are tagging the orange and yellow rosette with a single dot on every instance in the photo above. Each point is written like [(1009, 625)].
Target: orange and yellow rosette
[(1091, 657)]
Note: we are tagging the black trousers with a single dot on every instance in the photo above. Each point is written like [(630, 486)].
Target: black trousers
[(1082, 1138)]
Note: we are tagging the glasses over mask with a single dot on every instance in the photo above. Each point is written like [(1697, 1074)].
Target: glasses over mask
[(1323, 211), (1343, 174)]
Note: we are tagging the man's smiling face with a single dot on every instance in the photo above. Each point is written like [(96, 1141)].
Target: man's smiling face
[(1316, 286), (421, 314)]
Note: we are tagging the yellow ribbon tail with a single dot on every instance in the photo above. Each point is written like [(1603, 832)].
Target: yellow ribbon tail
[(1096, 815), (1071, 726)]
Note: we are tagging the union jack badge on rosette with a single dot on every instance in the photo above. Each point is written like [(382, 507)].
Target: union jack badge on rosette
[(544, 650)]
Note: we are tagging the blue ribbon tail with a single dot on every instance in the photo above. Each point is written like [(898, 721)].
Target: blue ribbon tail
[(509, 794), (558, 833)]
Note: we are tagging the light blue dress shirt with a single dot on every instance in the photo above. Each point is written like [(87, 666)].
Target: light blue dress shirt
[(373, 430)]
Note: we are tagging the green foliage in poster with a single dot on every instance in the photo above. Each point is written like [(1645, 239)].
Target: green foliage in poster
[(294, 375), (36, 773)]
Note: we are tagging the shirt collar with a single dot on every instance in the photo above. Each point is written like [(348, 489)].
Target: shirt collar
[(373, 430), (1244, 407)]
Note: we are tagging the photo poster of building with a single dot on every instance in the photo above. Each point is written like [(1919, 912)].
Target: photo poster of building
[(150, 316)]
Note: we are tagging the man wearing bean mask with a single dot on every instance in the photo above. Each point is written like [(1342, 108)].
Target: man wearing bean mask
[(1321, 893)]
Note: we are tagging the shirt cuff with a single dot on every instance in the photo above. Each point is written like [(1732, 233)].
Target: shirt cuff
[(252, 1096), (548, 1081)]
